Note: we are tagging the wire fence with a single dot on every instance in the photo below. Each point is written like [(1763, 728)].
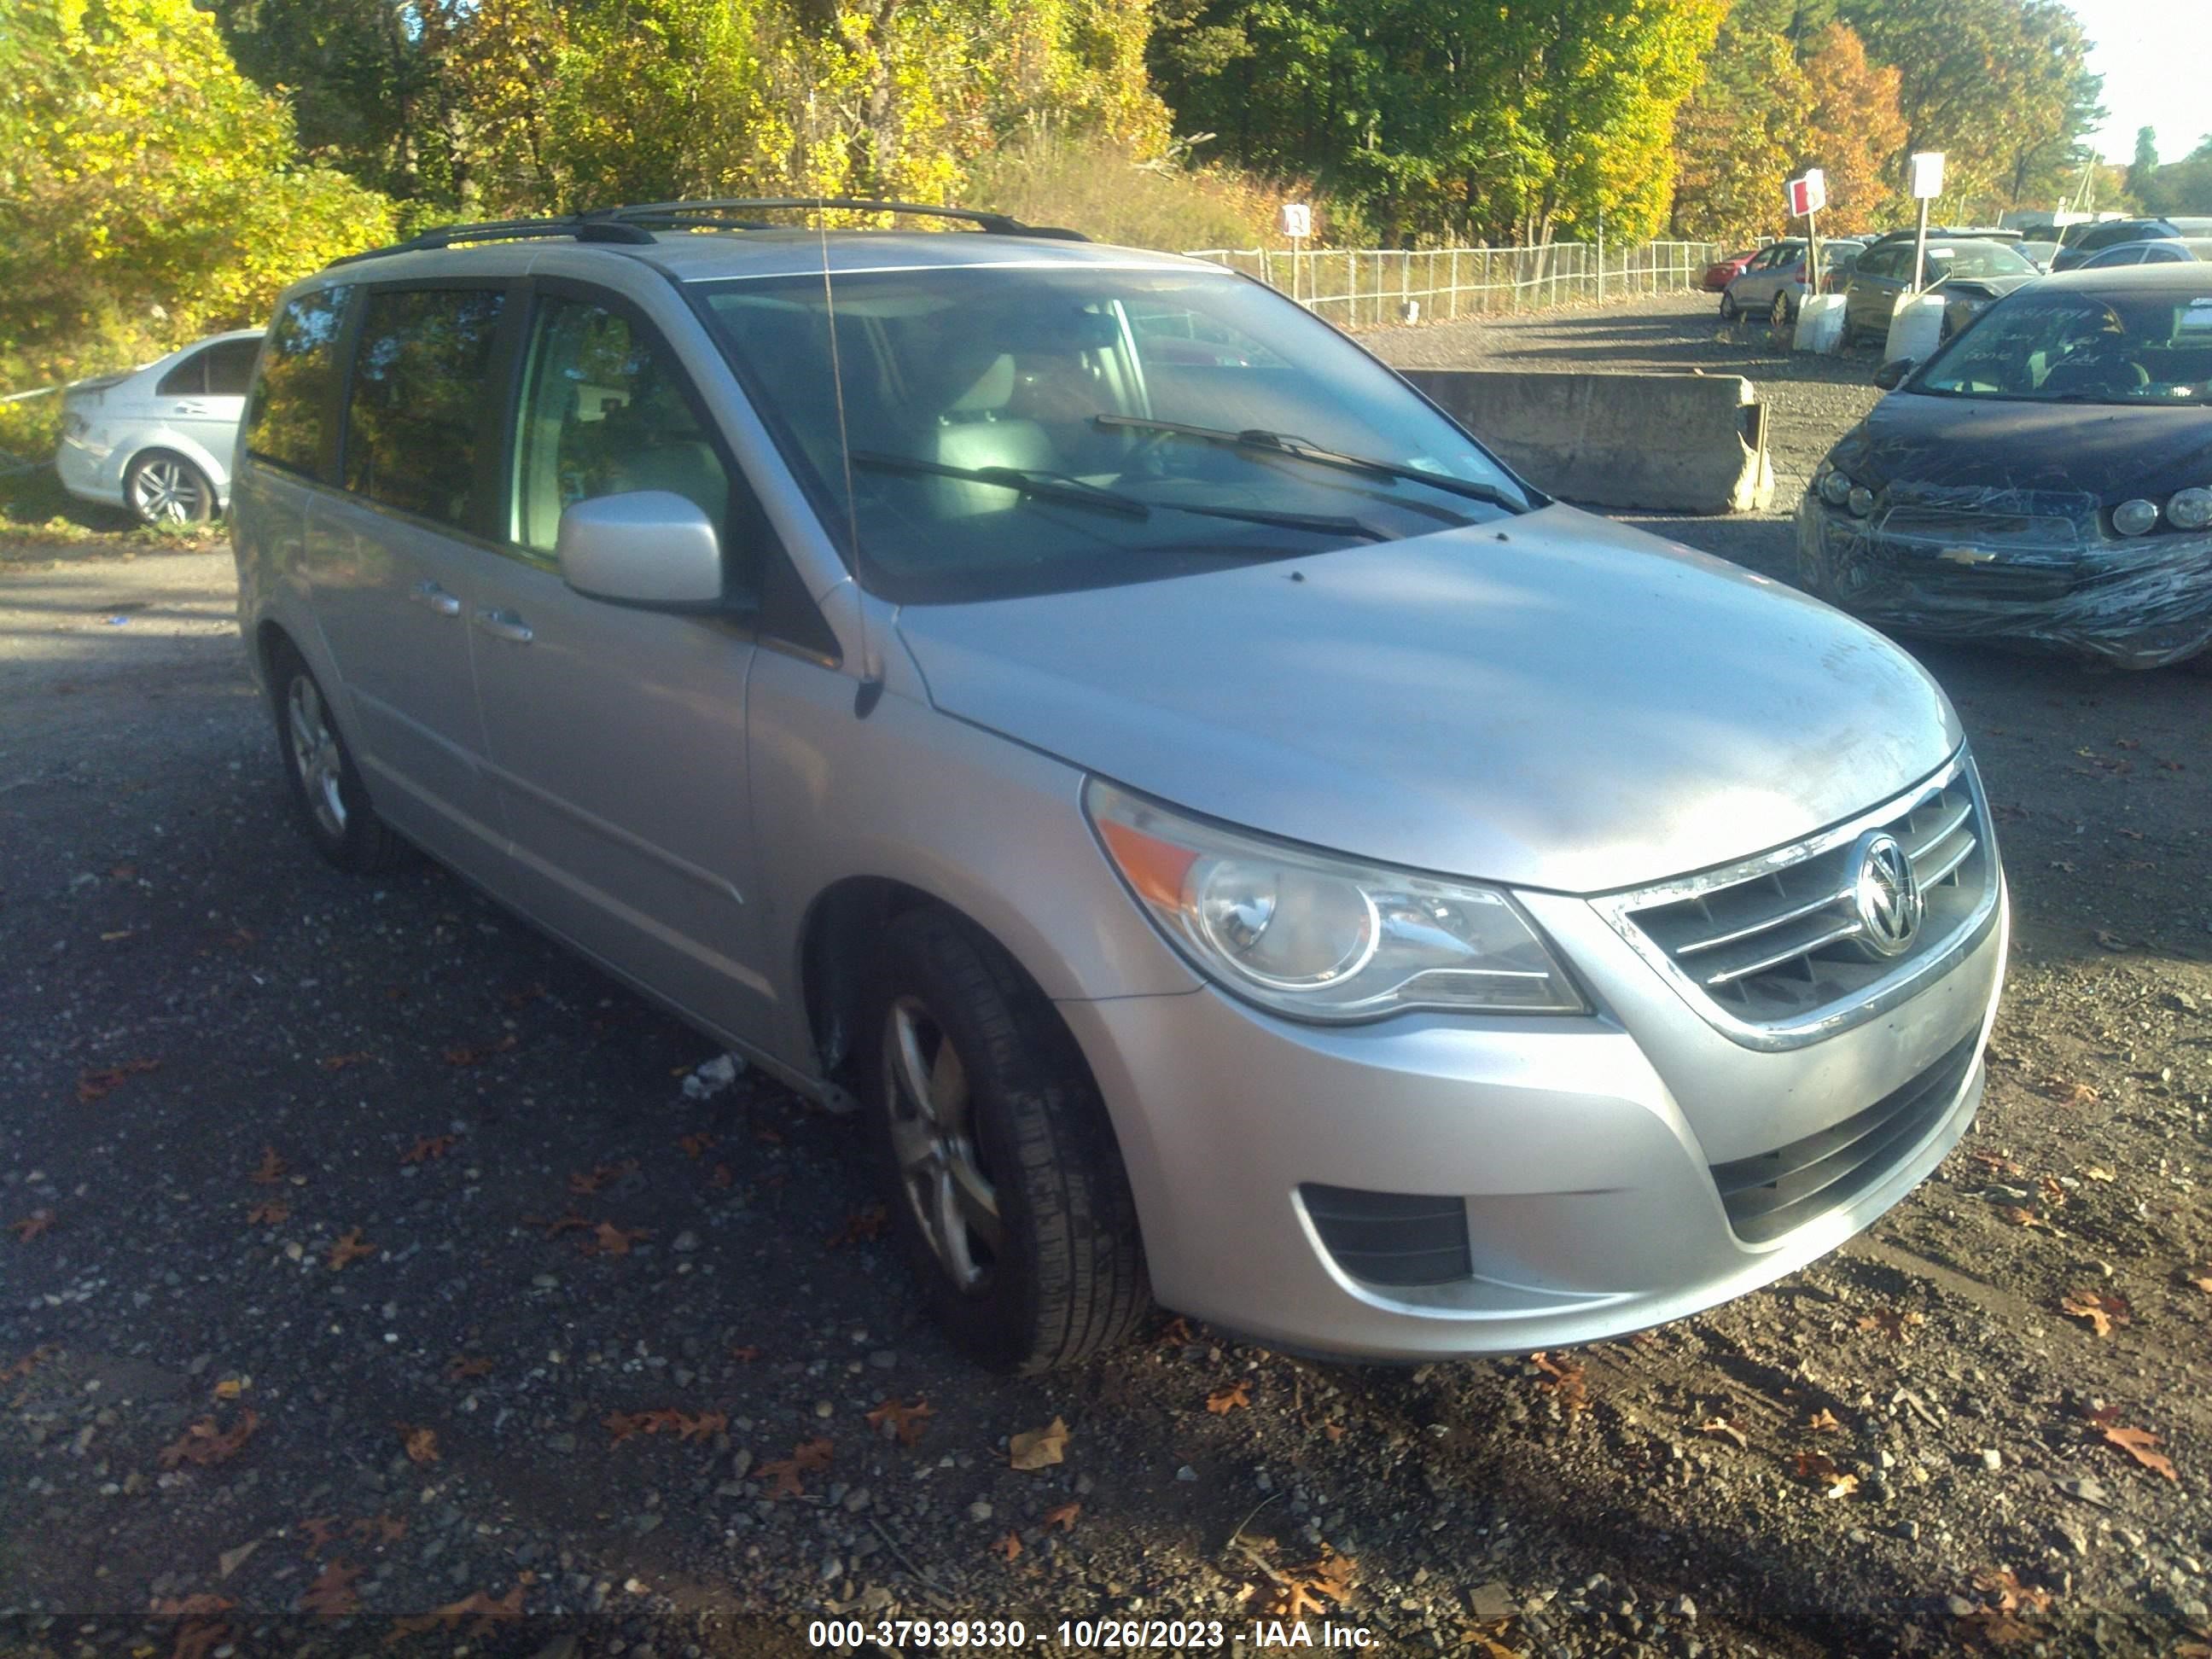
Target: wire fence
[(1356, 288)]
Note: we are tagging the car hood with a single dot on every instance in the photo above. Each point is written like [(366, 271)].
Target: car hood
[(2109, 451), (1552, 701)]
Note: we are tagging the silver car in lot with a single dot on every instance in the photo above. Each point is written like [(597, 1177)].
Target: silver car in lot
[(1230, 839), (157, 442)]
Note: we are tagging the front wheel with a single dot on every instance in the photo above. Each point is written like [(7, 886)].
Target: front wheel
[(1729, 309), (1004, 1180), (168, 491)]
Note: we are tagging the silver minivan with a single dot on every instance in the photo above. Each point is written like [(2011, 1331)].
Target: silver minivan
[(1232, 841)]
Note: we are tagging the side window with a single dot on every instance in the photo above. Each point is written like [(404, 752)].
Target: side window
[(422, 399), (286, 416), (230, 367), (605, 412), (187, 380)]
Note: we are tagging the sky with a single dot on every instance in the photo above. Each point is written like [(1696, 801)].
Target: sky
[(2153, 55)]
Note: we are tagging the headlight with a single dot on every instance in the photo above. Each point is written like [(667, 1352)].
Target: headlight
[(1860, 500), (2136, 518), (2190, 510), (1321, 937), (1835, 489)]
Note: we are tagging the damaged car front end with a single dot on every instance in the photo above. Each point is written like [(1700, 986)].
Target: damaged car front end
[(2045, 479)]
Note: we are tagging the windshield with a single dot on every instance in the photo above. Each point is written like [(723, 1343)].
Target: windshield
[(1977, 259), (2114, 348), (1014, 430)]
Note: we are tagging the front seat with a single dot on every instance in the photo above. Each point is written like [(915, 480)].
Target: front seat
[(974, 430)]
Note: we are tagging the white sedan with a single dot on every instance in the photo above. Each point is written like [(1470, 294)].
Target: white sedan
[(156, 442)]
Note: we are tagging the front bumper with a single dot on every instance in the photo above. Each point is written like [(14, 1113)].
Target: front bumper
[(2046, 579), (1581, 1152)]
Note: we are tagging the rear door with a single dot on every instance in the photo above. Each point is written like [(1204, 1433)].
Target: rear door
[(394, 558), (618, 734), (202, 399)]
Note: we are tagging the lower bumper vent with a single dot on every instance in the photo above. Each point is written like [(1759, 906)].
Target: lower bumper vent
[(1769, 1195), (1397, 1239)]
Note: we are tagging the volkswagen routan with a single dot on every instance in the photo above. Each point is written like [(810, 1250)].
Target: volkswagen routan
[(1232, 841)]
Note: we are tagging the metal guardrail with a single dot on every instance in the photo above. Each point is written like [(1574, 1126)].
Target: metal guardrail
[(1362, 286)]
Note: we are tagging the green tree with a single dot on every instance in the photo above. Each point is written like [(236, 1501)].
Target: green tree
[(148, 192), (2144, 167)]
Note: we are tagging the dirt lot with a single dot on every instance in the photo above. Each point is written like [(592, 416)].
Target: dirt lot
[(297, 1334)]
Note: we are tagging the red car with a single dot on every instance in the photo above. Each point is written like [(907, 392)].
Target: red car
[(1720, 274)]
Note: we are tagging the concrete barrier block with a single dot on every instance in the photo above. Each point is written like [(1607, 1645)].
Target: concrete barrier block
[(1663, 443), (1820, 325)]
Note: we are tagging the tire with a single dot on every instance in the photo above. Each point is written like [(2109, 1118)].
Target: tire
[(326, 789), (1729, 309), (164, 490), (1041, 1266)]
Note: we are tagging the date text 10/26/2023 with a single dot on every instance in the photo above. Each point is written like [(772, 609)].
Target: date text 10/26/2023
[(1088, 1635)]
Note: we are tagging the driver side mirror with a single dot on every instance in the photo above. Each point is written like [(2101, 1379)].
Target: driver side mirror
[(1891, 373), (650, 548)]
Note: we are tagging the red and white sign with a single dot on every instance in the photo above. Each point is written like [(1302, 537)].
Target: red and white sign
[(1808, 194)]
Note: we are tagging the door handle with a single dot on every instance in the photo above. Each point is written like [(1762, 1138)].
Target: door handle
[(436, 597), (504, 625), (191, 409)]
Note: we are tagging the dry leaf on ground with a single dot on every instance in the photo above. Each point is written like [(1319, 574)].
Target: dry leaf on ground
[(860, 1226), (2100, 1309), (464, 1366), (697, 1144), (808, 1457), (1309, 1590), (104, 1080), (421, 1445), (1010, 1547), (269, 1212), (427, 1147), (2011, 1595), (1890, 1323), (203, 1443), (32, 1226), (607, 1239), (1236, 1396), (1063, 1517), (893, 1417), (477, 1605), (1720, 1429), (2140, 1445), (350, 1247), (272, 1170), (1037, 1448), (332, 1594), (1824, 1422)]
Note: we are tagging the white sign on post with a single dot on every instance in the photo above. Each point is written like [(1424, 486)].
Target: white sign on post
[(1297, 221), (1808, 194), (1927, 174)]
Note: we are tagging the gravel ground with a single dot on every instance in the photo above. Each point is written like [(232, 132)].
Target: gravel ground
[(376, 1276)]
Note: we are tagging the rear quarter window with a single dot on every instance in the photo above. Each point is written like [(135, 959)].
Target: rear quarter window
[(420, 401), (288, 417)]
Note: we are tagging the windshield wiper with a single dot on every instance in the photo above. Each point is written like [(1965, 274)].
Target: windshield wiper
[(1040, 485), (1284, 443)]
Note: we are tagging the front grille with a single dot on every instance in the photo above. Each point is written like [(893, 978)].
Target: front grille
[(1777, 944), (1395, 1239), (1769, 1195)]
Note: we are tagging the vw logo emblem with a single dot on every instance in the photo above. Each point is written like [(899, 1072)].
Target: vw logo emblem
[(1886, 894)]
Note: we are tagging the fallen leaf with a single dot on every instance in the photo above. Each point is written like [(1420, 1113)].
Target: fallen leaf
[(382, 1529), (2101, 1310), (1175, 1330), (464, 1054), (477, 1605), (346, 1062), (2140, 1445), (1563, 1380), (1010, 1546), (1064, 1517), (570, 1222), (2011, 1595), (862, 1225), (427, 1148), (2202, 1279), (894, 1418), (607, 1239), (1309, 1588), (1334, 1430), (1038, 1448), (1841, 1485), (2054, 1193), (808, 1457), (32, 1226), (723, 1176), (587, 1181), (1722, 1429), (272, 1171), (745, 1355), (1890, 1323), (421, 1445), (2022, 1217), (349, 1248), (30, 1362), (320, 1529), (269, 1212), (1236, 1397), (205, 1605), (1997, 1630), (1997, 1165), (1824, 1422), (2096, 1172), (695, 1144), (203, 1444), (2066, 1092), (102, 1081), (332, 1594), (230, 1388)]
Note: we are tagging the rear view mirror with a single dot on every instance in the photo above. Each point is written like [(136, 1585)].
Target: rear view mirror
[(649, 547), (1891, 373)]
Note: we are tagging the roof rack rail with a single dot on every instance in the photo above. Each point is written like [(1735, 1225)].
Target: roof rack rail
[(724, 211), (583, 228)]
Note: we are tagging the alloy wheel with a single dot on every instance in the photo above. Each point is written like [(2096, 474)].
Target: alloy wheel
[(315, 755), (941, 1173), (168, 492)]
